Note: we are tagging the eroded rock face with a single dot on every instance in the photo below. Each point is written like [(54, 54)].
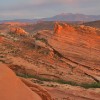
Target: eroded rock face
[(64, 27), (68, 92), (57, 28), (43, 93), (18, 31), (79, 45), (81, 41)]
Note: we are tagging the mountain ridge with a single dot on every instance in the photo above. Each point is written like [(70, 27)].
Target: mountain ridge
[(59, 17)]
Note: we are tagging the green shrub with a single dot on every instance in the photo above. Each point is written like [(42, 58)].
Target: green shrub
[(91, 85)]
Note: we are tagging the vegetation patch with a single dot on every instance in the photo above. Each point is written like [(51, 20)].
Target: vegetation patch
[(42, 40), (91, 85)]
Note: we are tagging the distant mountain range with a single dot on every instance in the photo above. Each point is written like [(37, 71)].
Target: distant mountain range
[(73, 17), (60, 17)]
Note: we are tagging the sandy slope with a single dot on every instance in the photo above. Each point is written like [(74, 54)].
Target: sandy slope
[(11, 88)]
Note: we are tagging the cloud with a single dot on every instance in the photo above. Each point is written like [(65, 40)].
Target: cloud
[(45, 8)]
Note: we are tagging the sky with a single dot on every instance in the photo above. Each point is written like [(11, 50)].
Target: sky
[(30, 9)]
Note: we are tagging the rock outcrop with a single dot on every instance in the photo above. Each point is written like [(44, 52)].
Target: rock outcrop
[(38, 89), (79, 45), (63, 27), (81, 41), (18, 31)]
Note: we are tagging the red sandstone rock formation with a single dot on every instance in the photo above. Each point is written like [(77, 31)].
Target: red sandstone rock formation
[(18, 31), (79, 47), (74, 57), (64, 27)]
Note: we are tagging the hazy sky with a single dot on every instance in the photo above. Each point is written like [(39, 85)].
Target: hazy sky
[(15, 9)]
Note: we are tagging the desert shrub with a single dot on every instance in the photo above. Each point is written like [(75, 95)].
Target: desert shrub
[(33, 76), (38, 81), (42, 40), (91, 85), (66, 82), (60, 81)]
